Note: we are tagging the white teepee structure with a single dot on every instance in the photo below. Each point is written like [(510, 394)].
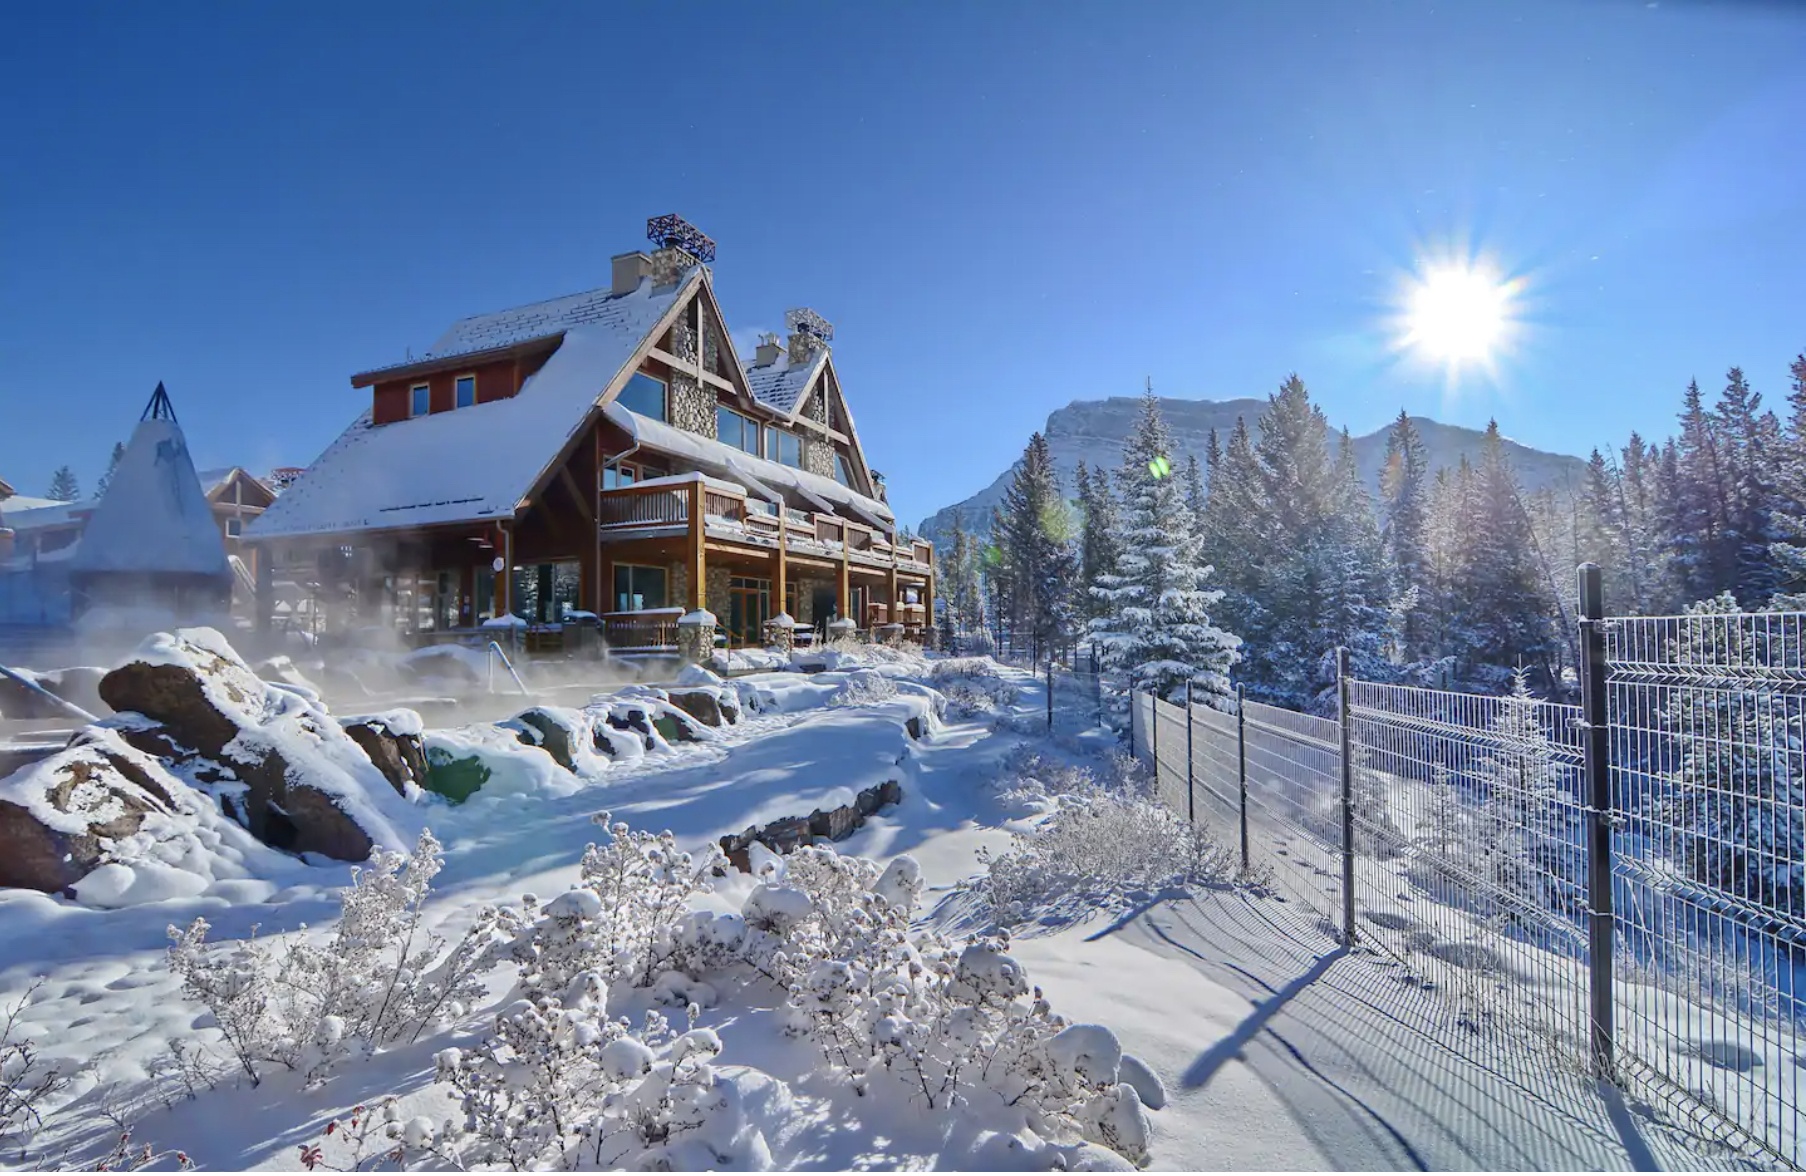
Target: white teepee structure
[(153, 540)]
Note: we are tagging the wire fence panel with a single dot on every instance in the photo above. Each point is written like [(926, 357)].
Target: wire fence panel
[(1470, 862), (1141, 727), (1294, 803), (1216, 787), (1079, 702), (1706, 715), (1170, 777)]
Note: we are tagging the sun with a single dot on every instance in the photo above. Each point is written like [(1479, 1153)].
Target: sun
[(1459, 314)]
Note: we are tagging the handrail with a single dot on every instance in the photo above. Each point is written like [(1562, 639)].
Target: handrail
[(56, 700), (495, 651)]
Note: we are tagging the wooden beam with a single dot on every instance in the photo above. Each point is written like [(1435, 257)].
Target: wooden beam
[(890, 614), (698, 553), (780, 563), (504, 579), (576, 492), (693, 368), (844, 588)]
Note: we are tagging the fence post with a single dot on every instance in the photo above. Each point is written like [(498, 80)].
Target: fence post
[(1598, 772), (1241, 763), (1050, 668), (1191, 800), (1348, 869)]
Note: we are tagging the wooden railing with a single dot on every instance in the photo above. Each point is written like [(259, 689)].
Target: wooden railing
[(629, 507), (651, 629), (633, 506)]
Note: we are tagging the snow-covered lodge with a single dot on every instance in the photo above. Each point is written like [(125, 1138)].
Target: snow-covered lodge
[(604, 456)]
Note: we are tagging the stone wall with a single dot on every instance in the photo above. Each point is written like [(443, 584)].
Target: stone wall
[(716, 596), (678, 575), (667, 264), (805, 603), (818, 457), (692, 405)]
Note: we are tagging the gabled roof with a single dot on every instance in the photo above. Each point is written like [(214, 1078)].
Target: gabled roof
[(153, 517), (780, 384), (216, 482), (44, 511), (477, 462), (6, 490)]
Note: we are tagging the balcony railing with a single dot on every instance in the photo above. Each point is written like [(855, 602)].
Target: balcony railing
[(662, 504), (646, 629)]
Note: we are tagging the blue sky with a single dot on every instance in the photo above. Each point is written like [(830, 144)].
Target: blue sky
[(1002, 207)]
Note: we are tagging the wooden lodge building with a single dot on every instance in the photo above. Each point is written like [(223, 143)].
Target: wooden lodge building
[(603, 459)]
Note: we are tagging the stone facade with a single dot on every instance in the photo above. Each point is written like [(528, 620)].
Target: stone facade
[(805, 603), (717, 598), (678, 575), (818, 404), (818, 457), (692, 405)]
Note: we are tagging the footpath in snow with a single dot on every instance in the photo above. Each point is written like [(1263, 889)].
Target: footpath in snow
[(1274, 1048)]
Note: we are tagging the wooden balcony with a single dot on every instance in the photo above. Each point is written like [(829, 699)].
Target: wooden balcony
[(662, 506), (647, 629)]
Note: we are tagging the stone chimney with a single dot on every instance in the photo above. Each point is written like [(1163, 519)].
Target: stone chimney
[(769, 350), (809, 333), (669, 263), (629, 269)]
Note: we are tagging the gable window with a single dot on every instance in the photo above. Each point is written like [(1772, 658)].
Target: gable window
[(737, 429), (638, 587), (235, 528), (842, 473), (420, 400), (644, 395), (465, 391)]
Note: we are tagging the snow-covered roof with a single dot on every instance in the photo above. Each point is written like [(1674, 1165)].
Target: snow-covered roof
[(54, 510), (780, 384), (153, 517), (476, 462), (755, 472), (504, 328)]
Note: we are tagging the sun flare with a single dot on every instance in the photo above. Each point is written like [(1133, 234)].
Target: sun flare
[(1459, 314)]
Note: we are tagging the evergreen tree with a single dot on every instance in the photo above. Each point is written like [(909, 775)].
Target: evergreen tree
[(1789, 549), (1357, 595), (1158, 629), (1194, 489), (63, 486), (1100, 521), (1704, 559), (1746, 436), (106, 479), (1645, 570), (964, 599), (1232, 513), (1522, 832), (1038, 537), (1506, 608), (1404, 496)]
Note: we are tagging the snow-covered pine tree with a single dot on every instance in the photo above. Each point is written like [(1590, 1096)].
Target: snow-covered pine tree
[(106, 479), (1523, 836), (1404, 498), (1747, 437), (1100, 521), (1039, 536), (63, 485), (1194, 489), (1230, 541), (1158, 629), (1789, 549), (1503, 589), (1356, 608)]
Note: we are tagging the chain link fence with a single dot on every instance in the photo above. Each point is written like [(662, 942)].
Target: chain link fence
[(1616, 886)]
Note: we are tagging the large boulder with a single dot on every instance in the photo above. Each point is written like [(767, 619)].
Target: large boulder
[(548, 731), (703, 705), (393, 742), (307, 785), (60, 818)]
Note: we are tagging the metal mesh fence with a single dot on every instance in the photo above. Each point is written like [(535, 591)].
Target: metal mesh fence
[(1708, 764), (1470, 855), (1468, 832), (1294, 774)]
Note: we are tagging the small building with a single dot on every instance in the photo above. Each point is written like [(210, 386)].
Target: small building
[(603, 457), (152, 541)]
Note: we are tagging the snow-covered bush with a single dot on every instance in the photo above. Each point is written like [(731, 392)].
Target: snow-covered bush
[(381, 977), (557, 1084), (27, 1081), (1094, 848), (622, 918), (973, 685), (865, 688)]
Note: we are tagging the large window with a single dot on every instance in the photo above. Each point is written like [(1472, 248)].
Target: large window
[(784, 447), (734, 429), (842, 473), (465, 391), (645, 395), (420, 400), (638, 587)]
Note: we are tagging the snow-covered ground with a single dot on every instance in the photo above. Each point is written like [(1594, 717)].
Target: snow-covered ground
[(1277, 1050)]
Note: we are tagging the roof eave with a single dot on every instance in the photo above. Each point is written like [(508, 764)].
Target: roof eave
[(431, 364)]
